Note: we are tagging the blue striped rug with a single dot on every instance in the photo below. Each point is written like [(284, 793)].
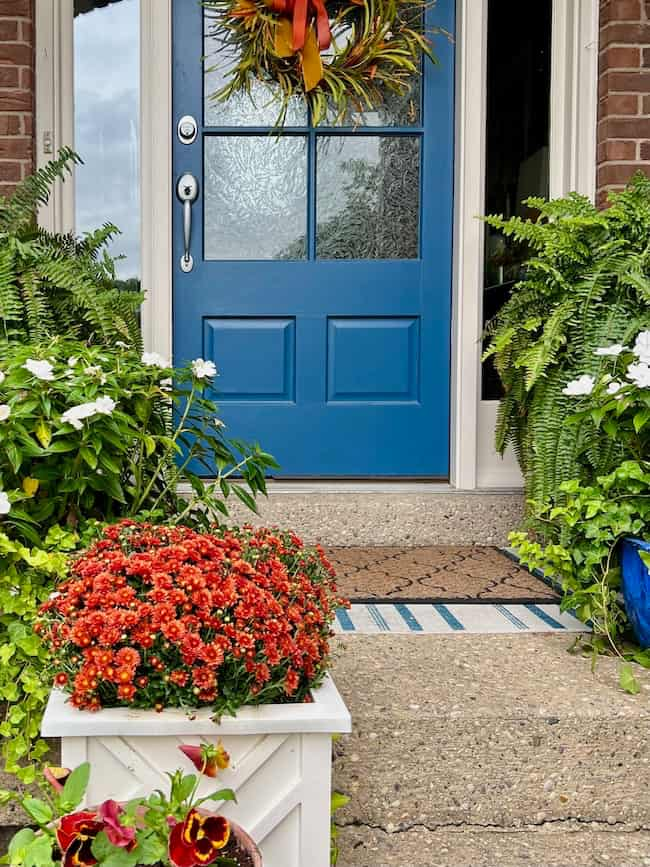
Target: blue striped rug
[(443, 619)]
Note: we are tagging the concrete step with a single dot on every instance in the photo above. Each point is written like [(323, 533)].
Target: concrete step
[(419, 847), (388, 514), (501, 745)]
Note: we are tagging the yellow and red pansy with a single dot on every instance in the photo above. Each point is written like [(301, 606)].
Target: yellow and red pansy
[(198, 839)]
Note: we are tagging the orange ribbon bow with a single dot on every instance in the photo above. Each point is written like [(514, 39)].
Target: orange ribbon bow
[(301, 13)]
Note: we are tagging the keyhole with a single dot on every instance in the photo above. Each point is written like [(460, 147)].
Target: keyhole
[(188, 191)]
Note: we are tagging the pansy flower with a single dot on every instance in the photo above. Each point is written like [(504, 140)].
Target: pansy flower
[(207, 758), (75, 835), (198, 840)]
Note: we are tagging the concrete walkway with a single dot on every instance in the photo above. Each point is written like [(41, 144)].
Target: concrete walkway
[(490, 750)]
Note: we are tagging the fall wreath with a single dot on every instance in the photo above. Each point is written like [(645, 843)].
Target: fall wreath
[(339, 58)]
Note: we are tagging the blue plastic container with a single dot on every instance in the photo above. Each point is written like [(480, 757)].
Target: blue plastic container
[(636, 588)]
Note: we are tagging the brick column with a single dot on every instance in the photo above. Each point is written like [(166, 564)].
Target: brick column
[(624, 93), (16, 92)]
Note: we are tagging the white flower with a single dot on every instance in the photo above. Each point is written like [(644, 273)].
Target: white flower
[(219, 424), (5, 411), (5, 505), (639, 374), (105, 405), (642, 347), (2, 377), (76, 414), (582, 385), (92, 370), (154, 359), (121, 344), (614, 387), (614, 349), (40, 369), (72, 360), (203, 369)]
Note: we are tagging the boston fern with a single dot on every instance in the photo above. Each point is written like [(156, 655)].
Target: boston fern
[(586, 285), (58, 284)]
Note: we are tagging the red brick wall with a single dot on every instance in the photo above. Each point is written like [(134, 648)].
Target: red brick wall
[(16, 91), (624, 93)]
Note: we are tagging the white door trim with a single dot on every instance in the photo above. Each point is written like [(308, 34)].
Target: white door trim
[(474, 463), (156, 180)]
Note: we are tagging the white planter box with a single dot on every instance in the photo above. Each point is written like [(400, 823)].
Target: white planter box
[(280, 763)]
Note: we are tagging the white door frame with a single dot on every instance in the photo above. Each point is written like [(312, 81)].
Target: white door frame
[(474, 463)]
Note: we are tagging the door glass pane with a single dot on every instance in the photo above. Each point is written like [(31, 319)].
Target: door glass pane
[(518, 87), (395, 110), (106, 124), (367, 197), (255, 197), (260, 108)]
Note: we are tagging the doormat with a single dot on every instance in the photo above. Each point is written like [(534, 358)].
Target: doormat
[(469, 574), (449, 618)]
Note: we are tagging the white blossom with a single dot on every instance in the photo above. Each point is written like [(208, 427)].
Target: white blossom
[(76, 414), (642, 347), (72, 360), (203, 369), (614, 350), (40, 369), (639, 374), (5, 505), (5, 411), (154, 359), (582, 385), (614, 387), (2, 377), (105, 405), (219, 424), (121, 344)]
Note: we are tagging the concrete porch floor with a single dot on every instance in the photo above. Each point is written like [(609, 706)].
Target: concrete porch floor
[(489, 750)]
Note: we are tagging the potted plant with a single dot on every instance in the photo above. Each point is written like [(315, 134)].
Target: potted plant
[(163, 633), (171, 830)]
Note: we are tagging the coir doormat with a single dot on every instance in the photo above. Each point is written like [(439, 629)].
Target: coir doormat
[(473, 574)]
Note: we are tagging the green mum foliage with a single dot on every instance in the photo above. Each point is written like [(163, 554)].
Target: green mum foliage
[(585, 285), (58, 284)]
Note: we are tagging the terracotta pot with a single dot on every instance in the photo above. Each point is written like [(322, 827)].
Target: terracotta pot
[(246, 842)]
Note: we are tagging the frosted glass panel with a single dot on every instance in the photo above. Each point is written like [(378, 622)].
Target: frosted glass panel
[(257, 109), (255, 197), (106, 125), (368, 197)]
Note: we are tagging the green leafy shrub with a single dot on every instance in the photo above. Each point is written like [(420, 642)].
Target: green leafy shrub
[(586, 284), (581, 531), (57, 284), (26, 580), (90, 432)]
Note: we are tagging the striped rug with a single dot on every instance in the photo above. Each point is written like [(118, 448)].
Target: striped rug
[(443, 619)]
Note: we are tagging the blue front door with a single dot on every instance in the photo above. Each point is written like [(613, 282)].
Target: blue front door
[(321, 279)]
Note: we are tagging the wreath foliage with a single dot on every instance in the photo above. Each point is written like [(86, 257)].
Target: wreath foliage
[(347, 58)]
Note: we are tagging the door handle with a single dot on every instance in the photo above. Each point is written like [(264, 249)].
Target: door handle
[(187, 190)]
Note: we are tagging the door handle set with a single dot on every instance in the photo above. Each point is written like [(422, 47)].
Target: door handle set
[(187, 190)]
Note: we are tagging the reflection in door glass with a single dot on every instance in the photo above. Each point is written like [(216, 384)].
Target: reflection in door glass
[(368, 197), (106, 124), (255, 197)]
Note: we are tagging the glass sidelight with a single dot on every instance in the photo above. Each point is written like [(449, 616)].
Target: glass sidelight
[(107, 125)]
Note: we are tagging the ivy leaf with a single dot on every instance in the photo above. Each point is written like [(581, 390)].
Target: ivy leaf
[(39, 811), (19, 843), (627, 680), (39, 852)]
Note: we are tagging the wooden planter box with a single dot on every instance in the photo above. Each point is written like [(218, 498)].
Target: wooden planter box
[(280, 763)]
